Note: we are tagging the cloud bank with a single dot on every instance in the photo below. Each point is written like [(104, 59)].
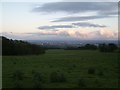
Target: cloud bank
[(102, 10), (73, 11), (73, 25), (85, 24), (103, 34), (79, 18), (106, 8), (55, 27)]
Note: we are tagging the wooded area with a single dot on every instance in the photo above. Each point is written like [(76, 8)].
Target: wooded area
[(18, 47)]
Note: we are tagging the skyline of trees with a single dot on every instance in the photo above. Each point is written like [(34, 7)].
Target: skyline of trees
[(18, 47)]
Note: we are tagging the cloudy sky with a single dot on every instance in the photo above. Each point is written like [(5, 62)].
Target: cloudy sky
[(58, 20)]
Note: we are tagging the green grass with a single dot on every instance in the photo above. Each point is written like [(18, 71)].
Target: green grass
[(74, 64)]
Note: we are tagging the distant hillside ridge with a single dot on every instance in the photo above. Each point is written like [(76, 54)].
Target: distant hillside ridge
[(19, 47)]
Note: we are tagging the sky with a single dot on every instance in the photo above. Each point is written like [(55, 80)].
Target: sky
[(59, 20)]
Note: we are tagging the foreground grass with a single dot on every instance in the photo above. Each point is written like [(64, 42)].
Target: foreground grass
[(74, 64)]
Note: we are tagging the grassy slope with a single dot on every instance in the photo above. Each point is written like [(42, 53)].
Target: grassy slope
[(73, 63)]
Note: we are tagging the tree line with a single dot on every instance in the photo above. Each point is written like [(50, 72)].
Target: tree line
[(18, 47), (111, 47)]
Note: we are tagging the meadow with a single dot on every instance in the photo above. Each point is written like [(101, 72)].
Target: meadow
[(75, 68)]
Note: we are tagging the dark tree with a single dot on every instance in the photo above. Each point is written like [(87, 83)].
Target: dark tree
[(111, 47), (18, 47)]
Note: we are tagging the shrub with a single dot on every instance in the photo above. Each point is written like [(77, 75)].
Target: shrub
[(14, 62), (91, 71), (37, 84), (62, 78), (69, 71), (100, 73), (111, 47), (58, 71), (119, 50), (57, 77), (17, 84), (74, 65), (51, 66), (18, 75), (97, 82), (33, 71), (54, 77), (81, 83), (37, 79), (37, 76)]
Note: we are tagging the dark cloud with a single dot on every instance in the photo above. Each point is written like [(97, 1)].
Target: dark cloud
[(73, 25), (85, 24), (54, 27), (78, 7), (77, 18), (42, 33), (50, 33)]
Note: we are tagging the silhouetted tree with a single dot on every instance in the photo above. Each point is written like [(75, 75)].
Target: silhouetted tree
[(90, 47), (85, 47), (111, 47), (18, 47)]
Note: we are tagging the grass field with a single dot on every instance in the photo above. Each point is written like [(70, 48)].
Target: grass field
[(73, 64)]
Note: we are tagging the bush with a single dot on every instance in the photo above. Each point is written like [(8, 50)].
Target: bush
[(62, 78), (51, 66), (37, 79), (14, 62), (69, 71), (100, 73), (33, 71), (74, 65), (81, 83), (119, 50), (97, 82), (91, 71), (111, 47), (17, 85), (37, 76), (18, 75), (57, 77), (37, 84)]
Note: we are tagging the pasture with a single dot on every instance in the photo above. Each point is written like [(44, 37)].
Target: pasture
[(79, 69)]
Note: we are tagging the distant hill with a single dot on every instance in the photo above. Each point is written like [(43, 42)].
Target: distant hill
[(18, 47)]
